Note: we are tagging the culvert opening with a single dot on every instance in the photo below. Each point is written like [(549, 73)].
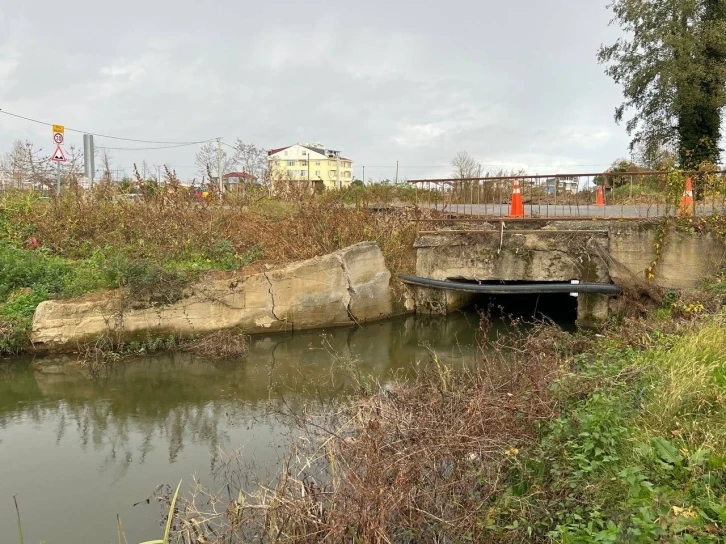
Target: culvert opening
[(558, 307)]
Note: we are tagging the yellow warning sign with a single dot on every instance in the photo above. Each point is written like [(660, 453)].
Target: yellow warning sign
[(59, 129)]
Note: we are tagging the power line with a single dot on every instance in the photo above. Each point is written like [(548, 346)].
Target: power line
[(146, 148), (103, 135)]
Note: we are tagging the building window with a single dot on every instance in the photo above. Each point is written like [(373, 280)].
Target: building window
[(317, 173), (317, 163), (303, 163), (291, 163), (303, 173), (347, 174)]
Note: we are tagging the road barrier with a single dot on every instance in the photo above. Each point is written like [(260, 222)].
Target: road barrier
[(606, 195)]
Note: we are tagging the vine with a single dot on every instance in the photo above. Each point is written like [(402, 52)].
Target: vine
[(674, 190), (662, 227)]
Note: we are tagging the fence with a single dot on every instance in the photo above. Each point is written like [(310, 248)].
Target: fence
[(627, 195)]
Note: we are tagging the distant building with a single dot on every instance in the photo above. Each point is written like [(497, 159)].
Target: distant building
[(235, 178), (310, 162), (564, 184)]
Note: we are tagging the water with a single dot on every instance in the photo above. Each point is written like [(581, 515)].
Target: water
[(79, 449)]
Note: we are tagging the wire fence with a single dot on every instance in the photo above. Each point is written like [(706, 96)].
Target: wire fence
[(607, 195)]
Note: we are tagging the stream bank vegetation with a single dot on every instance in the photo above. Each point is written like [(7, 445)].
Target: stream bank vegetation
[(155, 245), (549, 437)]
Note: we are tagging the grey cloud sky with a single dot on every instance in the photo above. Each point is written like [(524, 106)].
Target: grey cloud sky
[(513, 83)]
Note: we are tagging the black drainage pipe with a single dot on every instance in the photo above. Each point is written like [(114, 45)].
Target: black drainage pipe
[(516, 289)]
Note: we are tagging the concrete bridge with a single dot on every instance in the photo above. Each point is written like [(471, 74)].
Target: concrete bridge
[(619, 252)]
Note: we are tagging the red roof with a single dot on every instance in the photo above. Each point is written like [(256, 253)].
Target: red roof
[(243, 175), (273, 151)]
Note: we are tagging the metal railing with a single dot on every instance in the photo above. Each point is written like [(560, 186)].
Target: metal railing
[(627, 195)]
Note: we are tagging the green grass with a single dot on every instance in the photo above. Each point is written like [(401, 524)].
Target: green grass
[(29, 277), (637, 453)]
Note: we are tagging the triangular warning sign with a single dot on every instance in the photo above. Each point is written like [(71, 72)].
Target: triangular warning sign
[(58, 156)]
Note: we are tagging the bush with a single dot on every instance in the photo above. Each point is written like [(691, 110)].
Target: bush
[(636, 453), (148, 281)]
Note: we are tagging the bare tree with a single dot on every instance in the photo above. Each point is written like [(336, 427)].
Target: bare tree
[(105, 166), (206, 161), (27, 167), (145, 169), (465, 167), (251, 159)]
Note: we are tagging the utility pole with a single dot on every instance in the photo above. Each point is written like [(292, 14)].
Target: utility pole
[(337, 169), (219, 165), (364, 175), (396, 173)]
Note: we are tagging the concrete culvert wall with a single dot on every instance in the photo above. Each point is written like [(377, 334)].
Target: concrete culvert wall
[(588, 251)]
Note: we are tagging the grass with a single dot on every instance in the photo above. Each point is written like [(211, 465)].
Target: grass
[(636, 455), (551, 438), (157, 244)]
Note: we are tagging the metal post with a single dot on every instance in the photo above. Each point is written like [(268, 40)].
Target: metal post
[(89, 153), (396, 173), (337, 171), (57, 179), (219, 165)]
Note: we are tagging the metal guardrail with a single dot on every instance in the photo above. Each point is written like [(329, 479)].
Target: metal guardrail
[(626, 195)]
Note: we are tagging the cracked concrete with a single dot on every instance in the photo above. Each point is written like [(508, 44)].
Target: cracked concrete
[(272, 298), (341, 288), (351, 292), (592, 251)]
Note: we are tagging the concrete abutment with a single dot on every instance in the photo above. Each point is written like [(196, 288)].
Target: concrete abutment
[(588, 251)]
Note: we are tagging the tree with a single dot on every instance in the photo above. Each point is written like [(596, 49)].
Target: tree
[(105, 166), (672, 68), (207, 161), (465, 167), (251, 159), (27, 167), (617, 170)]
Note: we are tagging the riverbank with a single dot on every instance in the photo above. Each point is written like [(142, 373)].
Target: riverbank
[(550, 437), (161, 243), (121, 429)]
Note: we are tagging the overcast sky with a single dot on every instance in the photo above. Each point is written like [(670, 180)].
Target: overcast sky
[(516, 84)]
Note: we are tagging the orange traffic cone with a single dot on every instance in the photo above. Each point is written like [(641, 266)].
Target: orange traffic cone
[(517, 207), (687, 199), (600, 196)]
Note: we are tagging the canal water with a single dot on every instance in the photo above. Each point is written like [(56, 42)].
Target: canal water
[(77, 448)]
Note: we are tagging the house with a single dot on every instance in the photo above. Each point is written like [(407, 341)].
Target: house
[(564, 184), (235, 178), (311, 163)]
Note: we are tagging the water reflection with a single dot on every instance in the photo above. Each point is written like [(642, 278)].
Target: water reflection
[(76, 444)]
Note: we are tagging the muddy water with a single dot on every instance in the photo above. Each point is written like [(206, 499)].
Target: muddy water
[(79, 449)]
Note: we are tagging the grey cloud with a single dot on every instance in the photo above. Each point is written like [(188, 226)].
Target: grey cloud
[(513, 83)]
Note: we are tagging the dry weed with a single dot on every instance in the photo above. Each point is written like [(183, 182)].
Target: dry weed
[(220, 345), (170, 225), (413, 463)]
